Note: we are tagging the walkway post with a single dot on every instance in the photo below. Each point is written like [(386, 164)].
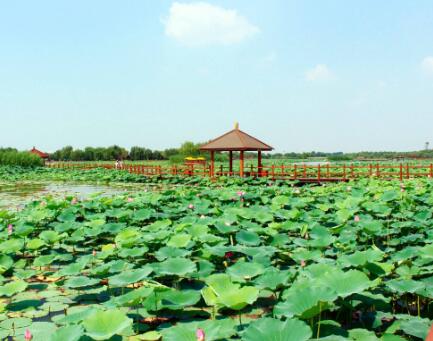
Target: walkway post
[(231, 163), (259, 162), (241, 164)]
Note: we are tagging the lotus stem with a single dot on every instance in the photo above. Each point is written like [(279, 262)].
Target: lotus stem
[(320, 319), (418, 306)]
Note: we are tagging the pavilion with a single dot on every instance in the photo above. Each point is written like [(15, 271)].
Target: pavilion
[(239, 141), (37, 152)]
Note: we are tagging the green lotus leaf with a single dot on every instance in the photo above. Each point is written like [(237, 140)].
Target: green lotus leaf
[(133, 252), (248, 237), (269, 329), (35, 244), (75, 315), (128, 238), (150, 336), (179, 240), (416, 326), (11, 246), (50, 237), (68, 333), (245, 270), (346, 283), (176, 266), (170, 252), (6, 263), (305, 301), (272, 279), (213, 329), (362, 335), (80, 282), (178, 299), (104, 324), (405, 285), (12, 288), (17, 322), (44, 260), (41, 331), (129, 276)]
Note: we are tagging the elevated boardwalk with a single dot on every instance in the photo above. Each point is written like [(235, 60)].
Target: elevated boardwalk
[(294, 172)]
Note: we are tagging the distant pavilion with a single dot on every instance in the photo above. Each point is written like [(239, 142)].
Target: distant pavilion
[(37, 152), (236, 141)]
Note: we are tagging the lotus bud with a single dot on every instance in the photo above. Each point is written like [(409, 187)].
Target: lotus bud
[(200, 334), (130, 199), (191, 206), (202, 216), (74, 201), (303, 263), (94, 253), (27, 335), (402, 189), (297, 191), (228, 254), (227, 223), (10, 229), (357, 218), (349, 188)]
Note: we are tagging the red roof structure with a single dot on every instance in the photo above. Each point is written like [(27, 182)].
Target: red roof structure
[(39, 153), (236, 140)]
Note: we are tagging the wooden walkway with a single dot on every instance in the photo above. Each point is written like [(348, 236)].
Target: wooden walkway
[(295, 172)]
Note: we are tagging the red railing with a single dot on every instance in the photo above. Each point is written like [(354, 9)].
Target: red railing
[(300, 172)]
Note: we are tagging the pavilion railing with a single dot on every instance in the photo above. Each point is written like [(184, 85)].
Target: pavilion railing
[(301, 172)]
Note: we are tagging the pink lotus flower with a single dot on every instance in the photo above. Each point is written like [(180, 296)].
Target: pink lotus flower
[(402, 189), (130, 199), (240, 193), (10, 229), (191, 206), (74, 201), (200, 334), (27, 335), (357, 218), (303, 263), (94, 253)]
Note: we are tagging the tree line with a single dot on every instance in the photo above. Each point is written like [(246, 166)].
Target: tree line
[(136, 153)]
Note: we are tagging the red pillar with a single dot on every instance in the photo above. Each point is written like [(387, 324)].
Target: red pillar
[(259, 162), (212, 163), (241, 164), (230, 162)]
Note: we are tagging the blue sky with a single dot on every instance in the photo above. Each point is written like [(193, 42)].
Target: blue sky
[(306, 75)]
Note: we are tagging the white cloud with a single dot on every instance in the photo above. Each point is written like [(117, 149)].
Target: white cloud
[(427, 65), (200, 23), (319, 72)]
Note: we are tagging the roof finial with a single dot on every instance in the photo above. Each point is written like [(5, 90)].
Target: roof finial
[(237, 125)]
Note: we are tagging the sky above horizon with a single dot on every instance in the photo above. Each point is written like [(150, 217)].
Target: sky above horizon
[(300, 75)]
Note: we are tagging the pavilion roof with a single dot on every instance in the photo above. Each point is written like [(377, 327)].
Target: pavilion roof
[(39, 153), (236, 140)]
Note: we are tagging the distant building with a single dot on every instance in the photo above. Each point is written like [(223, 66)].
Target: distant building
[(37, 152)]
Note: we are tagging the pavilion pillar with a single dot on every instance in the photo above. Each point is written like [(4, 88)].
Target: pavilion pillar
[(241, 164), (212, 163), (259, 163), (230, 162)]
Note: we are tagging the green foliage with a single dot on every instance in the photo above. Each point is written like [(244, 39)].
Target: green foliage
[(273, 264), (15, 158)]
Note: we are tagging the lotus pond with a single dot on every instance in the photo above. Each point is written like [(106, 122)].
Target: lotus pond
[(235, 262)]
